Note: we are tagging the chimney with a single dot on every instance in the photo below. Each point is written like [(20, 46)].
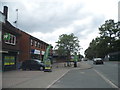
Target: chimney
[(5, 12)]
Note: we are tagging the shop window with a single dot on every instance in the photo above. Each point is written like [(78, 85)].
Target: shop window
[(10, 39), (9, 60)]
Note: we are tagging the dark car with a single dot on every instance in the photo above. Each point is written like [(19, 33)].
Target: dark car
[(98, 61), (33, 64)]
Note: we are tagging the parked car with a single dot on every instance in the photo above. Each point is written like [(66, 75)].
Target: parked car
[(32, 64), (84, 59), (98, 61)]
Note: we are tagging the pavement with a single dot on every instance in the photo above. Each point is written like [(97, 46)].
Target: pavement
[(38, 79)]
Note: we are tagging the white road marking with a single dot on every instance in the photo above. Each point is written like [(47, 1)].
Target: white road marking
[(82, 72), (107, 80), (57, 80)]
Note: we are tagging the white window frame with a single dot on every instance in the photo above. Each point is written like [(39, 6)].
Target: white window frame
[(11, 40), (35, 43), (32, 42), (38, 45)]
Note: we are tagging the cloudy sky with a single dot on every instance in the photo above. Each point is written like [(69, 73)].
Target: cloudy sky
[(47, 19)]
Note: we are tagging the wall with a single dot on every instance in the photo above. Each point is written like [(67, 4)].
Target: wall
[(24, 46)]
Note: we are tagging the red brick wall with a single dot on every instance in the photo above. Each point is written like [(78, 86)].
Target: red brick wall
[(24, 46)]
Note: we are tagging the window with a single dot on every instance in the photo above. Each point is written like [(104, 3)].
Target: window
[(35, 43), (38, 45), (42, 46), (32, 42), (10, 39), (45, 47)]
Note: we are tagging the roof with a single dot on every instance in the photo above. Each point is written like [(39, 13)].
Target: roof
[(10, 28)]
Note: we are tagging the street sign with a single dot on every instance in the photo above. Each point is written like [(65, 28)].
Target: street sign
[(47, 61), (48, 66), (6, 36)]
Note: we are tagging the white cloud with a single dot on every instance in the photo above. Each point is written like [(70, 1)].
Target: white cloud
[(47, 19)]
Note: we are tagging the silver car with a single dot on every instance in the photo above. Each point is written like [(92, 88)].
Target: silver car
[(98, 61)]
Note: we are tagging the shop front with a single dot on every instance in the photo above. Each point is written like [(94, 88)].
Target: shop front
[(9, 59), (35, 54)]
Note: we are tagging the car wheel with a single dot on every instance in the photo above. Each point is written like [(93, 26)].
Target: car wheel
[(41, 68)]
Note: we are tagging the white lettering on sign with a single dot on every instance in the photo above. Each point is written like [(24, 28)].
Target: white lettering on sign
[(37, 51)]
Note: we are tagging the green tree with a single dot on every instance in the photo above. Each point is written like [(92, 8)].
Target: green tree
[(109, 40), (67, 45), (110, 31)]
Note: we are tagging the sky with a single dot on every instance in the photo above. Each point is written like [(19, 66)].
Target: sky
[(48, 19)]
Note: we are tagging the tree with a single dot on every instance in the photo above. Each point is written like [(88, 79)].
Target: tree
[(109, 40), (110, 31), (67, 45)]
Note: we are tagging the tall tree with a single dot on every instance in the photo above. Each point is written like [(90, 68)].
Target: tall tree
[(109, 40), (67, 45), (110, 31)]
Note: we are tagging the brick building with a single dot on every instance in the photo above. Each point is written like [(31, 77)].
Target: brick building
[(18, 45), (31, 47), (10, 44), (37, 48)]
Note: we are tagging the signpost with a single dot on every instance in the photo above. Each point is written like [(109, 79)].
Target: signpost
[(46, 60)]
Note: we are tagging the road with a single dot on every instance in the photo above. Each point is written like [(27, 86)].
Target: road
[(100, 76), (109, 70)]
